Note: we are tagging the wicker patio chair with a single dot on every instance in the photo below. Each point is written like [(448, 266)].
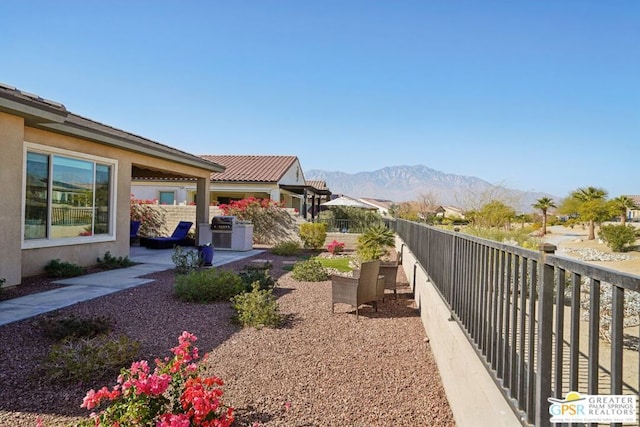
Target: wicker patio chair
[(355, 291)]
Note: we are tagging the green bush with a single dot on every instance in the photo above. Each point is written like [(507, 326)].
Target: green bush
[(288, 248), (185, 261), (109, 262), (261, 276), (89, 359), (73, 327), (257, 308), (57, 268), (313, 234), (374, 243), (309, 271), (2, 280), (211, 285), (620, 238)]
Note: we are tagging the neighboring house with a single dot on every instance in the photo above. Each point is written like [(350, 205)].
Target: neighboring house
[(449, 212), (67, 184), (634, 214), (381, 205), (318, 194), (279, 178)]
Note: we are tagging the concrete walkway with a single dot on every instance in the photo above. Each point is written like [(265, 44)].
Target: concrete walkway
[(95, 285)]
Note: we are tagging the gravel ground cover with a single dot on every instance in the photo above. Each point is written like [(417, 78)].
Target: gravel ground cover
[(318, 369)]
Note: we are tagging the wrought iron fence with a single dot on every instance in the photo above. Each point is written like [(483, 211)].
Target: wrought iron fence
[(542, 324)]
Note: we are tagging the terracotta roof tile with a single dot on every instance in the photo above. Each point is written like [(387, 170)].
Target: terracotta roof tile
[(318, 185), (243, 168)]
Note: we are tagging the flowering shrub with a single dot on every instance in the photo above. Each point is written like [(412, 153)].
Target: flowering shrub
[(335, 247), (152, 219), (263, 214), (174, 395)]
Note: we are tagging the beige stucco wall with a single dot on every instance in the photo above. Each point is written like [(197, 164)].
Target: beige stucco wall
[(473, 396), (11, 137), (17, 262)]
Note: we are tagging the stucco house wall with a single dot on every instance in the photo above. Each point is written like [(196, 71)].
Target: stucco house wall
[(221, 190), (71, 136)]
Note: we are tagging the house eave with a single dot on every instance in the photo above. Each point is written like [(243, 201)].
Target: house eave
[(149, 149)]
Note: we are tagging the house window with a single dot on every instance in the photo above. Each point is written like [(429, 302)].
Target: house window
[(167, 198), (68, 197)]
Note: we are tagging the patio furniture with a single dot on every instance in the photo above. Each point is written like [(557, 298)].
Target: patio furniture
[(355, 291), (133, 230), (390, 271), (179, 237)]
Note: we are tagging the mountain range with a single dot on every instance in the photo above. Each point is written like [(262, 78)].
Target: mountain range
[(413, 183)]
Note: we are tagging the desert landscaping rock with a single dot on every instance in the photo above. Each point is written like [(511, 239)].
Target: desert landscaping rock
[(318, 369)]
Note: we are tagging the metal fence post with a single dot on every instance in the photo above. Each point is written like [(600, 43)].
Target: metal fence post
[(545, 326)]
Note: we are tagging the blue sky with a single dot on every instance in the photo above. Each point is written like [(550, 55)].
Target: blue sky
[(532, 95)]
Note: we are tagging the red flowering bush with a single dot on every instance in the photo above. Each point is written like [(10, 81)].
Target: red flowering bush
[(152, 220), (264, 214), (174, 395), (335, 247)]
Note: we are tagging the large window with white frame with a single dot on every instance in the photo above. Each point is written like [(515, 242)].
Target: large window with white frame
[(68, 197)]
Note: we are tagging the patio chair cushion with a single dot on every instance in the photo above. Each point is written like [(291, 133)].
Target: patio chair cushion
[(178, 237)]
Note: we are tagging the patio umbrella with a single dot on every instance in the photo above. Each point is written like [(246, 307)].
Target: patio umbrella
[(347, 202)]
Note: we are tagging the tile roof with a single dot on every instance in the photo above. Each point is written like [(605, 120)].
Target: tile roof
[(243, 168), (379, 203), (635, 198), (318, 185)]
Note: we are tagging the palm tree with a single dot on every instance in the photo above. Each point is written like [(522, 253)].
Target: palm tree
[(622, 204), (544, 204), (591, 199)]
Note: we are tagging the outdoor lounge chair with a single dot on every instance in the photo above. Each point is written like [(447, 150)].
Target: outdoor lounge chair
[(178, 238), (356, 291)]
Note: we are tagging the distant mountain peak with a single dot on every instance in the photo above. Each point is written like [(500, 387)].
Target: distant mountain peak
[(407, 183)]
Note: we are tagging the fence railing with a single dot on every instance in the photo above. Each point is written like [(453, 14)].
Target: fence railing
[(542, 324), (70, 215)]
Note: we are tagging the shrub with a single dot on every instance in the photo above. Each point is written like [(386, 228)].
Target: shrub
[(374, 243), (109, 262), (313, 234), (2, 281), (172, 395), (211, 285), (309, 271), (87, 359), (335, 247), (185, 261), (73, 327), (257, 308), (264, 214), (287, 248), (152, 219), (260, 276), (57, 268), (619, 238)]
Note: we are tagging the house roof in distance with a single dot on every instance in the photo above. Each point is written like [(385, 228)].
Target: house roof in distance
[(250, 168), (378, 203), (318, 185)]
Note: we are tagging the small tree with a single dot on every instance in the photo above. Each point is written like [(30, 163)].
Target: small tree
[(620, 206), (374, 243), (544, 204), (592, 207)]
